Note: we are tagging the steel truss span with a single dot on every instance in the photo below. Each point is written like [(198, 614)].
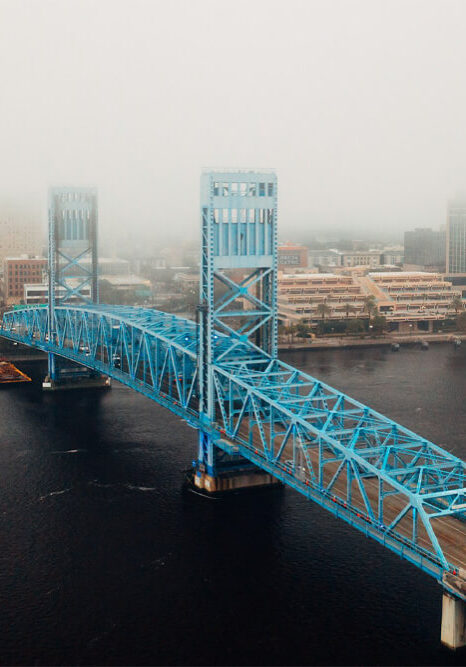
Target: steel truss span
[(388, 482)]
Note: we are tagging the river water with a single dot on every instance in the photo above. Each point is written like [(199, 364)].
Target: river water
[(104, 558)]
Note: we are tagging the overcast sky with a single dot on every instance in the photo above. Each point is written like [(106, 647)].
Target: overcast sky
[(359, 105)]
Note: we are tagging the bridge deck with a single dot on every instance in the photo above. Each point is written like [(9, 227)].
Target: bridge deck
[(449, 530), (403, 490)]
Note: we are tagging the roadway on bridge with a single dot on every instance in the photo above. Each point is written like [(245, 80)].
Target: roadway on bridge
[(450, 532)]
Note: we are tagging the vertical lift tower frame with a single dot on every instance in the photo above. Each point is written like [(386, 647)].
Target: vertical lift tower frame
[(73, 269), (238, 298)]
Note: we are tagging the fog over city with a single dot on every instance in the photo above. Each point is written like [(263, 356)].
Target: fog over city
[(360, 107)]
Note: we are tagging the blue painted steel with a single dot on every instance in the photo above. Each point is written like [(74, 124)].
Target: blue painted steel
[(317, 440), (238, 286), (72, 255), (73, 245)]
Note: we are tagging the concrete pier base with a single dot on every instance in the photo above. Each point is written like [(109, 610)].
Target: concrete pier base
[(97, 382), (232, 481), (453, 621)]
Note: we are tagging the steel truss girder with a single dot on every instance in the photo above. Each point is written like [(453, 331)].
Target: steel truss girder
[(157, 354)]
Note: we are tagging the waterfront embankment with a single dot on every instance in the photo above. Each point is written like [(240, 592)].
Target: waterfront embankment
[(325, 342)]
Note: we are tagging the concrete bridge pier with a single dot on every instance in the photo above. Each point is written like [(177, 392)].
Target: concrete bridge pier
[(63, 376), (233, 480), (453, 621), (217, 471), (90, 382)]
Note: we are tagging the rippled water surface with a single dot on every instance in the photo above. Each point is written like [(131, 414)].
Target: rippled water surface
[(105, 560)]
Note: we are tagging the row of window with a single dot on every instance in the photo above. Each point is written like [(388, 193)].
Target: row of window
[(243, 215), (26, 272), (243, 189)]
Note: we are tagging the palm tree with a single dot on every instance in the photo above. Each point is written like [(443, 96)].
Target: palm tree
[(290, 330), (369, 304), (302, 329), (323, 309), (349, 308), (457, 303)]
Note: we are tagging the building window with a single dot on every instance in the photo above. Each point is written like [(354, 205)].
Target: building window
[(234, 189), (261, 189), (225, 215), (252, 189), (251, 216), (225, 189), (216, 189), (243, 189), (234, 215), (270, 189)]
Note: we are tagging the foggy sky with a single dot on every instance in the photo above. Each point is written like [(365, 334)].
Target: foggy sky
[(359, 105)]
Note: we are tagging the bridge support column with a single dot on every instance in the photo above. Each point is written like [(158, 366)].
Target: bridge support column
[(453, 621), (217, 472), (233, 480), (63, 375), (95, 382)]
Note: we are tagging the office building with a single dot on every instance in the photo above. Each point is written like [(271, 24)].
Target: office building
[(456, 238), (424, 250), (19, 271), (292, 256), (18, 237), (410, 300)]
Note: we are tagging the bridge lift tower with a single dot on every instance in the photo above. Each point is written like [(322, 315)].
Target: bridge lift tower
[(73, 273), (238, 299)]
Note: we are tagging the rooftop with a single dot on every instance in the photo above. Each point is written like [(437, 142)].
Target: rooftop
[(306, 276), (403, 274)]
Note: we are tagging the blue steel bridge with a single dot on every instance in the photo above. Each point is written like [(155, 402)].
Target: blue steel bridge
[(388, 482), (256, 413)]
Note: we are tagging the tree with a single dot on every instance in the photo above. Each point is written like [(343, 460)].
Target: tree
[(302, 329), (323, 310), (349, 308), (290, 330), (355, 326), (457, 303), (461, 321), (379, 323), (370, 304)]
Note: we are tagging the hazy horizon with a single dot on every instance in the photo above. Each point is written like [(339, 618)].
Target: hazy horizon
[(359, 106)]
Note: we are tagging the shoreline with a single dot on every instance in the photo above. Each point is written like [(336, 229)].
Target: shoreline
[(324, 343), (341, 342)]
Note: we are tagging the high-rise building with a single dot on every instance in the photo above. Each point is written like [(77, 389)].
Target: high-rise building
[(17, 271), (425, 249), (292, 256), (456, 238), (18, 236)]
